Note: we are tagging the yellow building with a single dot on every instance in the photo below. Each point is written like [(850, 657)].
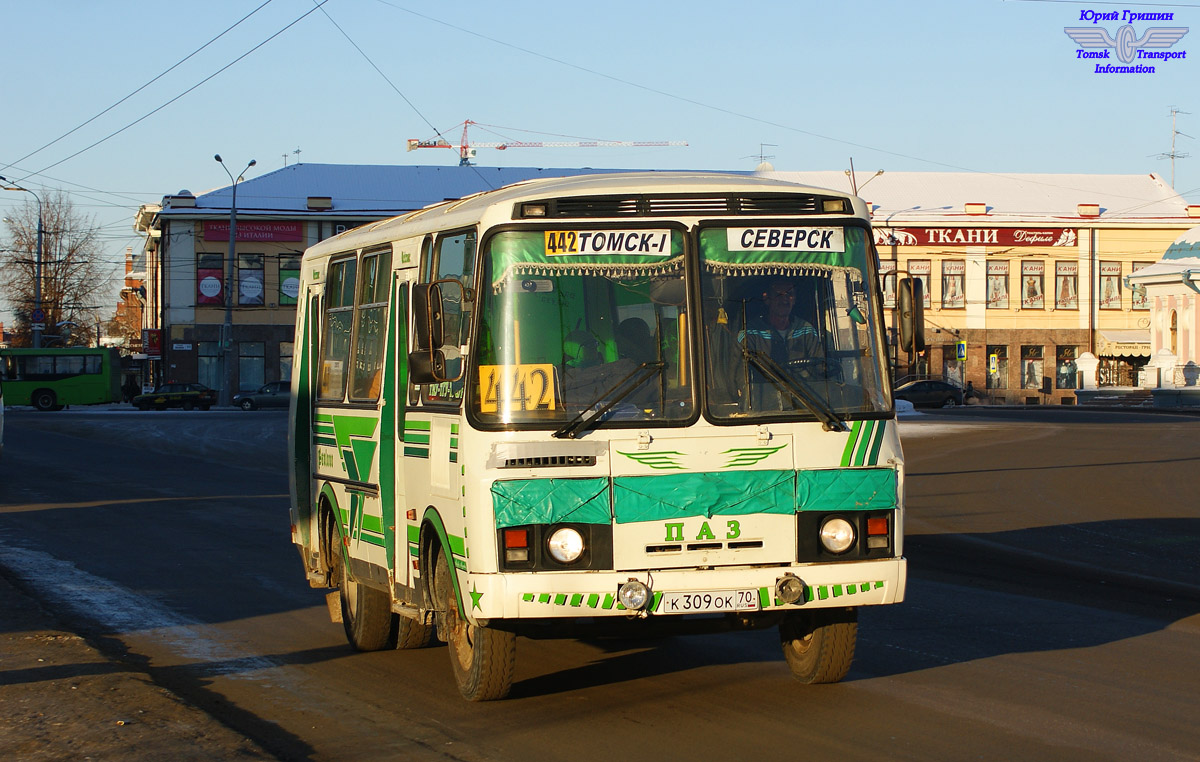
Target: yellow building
[(1025, 275)]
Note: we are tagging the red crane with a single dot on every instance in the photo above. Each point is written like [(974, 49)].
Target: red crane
[(466, 150)]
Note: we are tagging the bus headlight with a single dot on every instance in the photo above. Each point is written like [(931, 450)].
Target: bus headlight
[(565, 545), (837, 535)]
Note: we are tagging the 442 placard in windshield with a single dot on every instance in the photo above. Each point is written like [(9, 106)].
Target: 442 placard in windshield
[(516, 387)]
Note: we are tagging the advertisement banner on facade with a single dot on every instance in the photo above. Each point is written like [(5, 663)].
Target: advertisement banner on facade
[(1006, 237), (152, 343), (258, 232), (887, 276), (209, 286), (954, 272), (920, 269)]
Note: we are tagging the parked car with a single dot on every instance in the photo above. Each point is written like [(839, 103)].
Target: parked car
[(186, 396), (929, 393), (274, 394)]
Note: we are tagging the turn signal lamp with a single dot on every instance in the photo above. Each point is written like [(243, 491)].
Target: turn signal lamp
[(877, 532), (516, 545)]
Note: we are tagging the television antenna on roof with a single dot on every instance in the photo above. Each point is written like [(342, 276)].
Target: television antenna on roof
[(1173, 154)]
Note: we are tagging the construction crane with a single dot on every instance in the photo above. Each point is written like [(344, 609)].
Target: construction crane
[(466, 150)]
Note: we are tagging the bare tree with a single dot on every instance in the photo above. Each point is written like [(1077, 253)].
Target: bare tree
[(74, 281)]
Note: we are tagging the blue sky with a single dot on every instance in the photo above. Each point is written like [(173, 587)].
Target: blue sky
[(972, 85)]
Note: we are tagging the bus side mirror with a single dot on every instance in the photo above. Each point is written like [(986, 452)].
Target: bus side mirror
[(432, 360), (910, 310)]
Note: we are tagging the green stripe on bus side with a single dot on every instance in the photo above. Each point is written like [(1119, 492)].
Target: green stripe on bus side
[(874, 458), (410, 425), (864, 442), (416, 438), (415, 452), (848, 452)]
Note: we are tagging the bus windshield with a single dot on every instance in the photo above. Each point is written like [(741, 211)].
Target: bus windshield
[(583, 322), (789, 323)]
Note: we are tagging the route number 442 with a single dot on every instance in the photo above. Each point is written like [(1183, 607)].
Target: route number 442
[(516, 387)]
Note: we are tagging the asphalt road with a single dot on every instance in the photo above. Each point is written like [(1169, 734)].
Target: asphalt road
[(1053, 606)]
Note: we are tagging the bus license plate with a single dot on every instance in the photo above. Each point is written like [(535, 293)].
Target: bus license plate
[(704, 602)]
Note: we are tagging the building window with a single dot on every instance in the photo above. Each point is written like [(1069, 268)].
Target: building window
[(997, 377), (953, 289), (250, 280), (1033, 287), (1066, 285), (210, 278), (210, 364), (285, 361), (1031, 367), (251, 365), (920, 270), (1064, 367), (339, 321), (887, 276), (371, 325), (1138, 292), (289, 279), (1110, 285), (997, 285)]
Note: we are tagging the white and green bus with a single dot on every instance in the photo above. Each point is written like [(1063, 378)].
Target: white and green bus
[(574, 405)]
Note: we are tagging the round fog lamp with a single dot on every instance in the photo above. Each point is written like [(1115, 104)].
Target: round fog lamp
[(633, 595), (837, 535), (565, 545)]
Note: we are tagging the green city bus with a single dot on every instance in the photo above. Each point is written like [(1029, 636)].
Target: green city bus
[(50, 379)]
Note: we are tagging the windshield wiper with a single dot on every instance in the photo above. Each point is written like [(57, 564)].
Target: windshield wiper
[(797, 388), (620, 390)]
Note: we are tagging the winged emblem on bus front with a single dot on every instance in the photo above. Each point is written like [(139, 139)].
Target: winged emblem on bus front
[(1127, 43)]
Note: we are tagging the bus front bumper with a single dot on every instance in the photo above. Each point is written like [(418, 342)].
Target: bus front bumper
[(532, 595)]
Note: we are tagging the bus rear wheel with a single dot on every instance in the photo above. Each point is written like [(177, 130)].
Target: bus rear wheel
[(45, 399), (483, 658), (819, 644), (366, 612)]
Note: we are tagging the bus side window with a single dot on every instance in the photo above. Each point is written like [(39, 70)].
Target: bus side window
[(339, 318), (370, 317)]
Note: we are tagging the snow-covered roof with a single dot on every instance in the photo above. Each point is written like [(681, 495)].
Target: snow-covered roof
[(359, 190), (1181, 258), (908, 196)]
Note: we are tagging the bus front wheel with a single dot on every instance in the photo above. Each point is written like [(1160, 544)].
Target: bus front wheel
[(366, 612), (45, 399), (483, 658), (819, 644)]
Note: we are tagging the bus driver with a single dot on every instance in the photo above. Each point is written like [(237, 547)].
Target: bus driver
[(789, 340)]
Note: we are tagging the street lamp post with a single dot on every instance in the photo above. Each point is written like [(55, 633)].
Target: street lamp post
[(37, 272), (226, 396)]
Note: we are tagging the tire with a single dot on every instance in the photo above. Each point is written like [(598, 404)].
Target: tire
[(819, 645), (44, 399), (366, 612), (412, 634), (949, 402), (188, 404), (246, 404), (482, 658)]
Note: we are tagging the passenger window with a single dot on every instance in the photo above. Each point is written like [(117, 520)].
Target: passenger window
[(339, 320), (370, 320)]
